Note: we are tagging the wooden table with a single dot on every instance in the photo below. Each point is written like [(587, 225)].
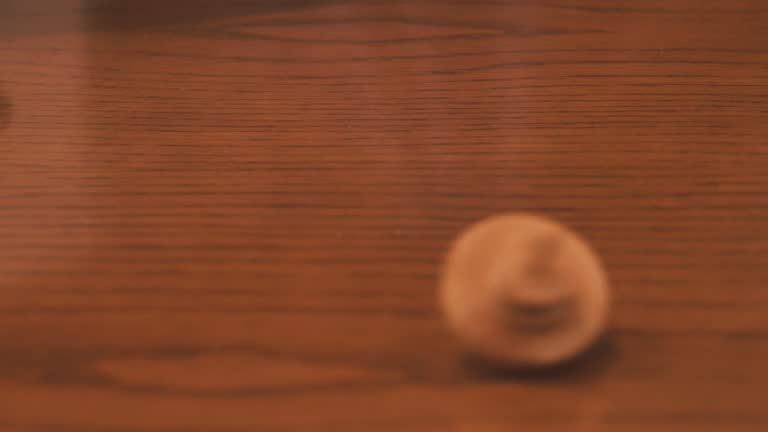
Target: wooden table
[(229, 215)]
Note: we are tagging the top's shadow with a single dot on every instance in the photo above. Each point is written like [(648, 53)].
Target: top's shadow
[(587, 366)]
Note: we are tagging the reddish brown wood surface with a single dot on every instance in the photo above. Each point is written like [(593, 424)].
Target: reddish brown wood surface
[(229, 215)]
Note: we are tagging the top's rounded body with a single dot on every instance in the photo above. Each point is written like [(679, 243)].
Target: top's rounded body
[(523, 290)]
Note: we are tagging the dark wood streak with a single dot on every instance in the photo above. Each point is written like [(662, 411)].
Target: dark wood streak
[(229, 216), (5, 111)]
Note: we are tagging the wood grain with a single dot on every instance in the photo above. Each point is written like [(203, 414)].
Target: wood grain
[(229, 216)]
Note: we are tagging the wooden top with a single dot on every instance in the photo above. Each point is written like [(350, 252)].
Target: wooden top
[(229, 215)]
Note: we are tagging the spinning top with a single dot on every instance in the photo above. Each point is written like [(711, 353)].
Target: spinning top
[(522, 290)]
